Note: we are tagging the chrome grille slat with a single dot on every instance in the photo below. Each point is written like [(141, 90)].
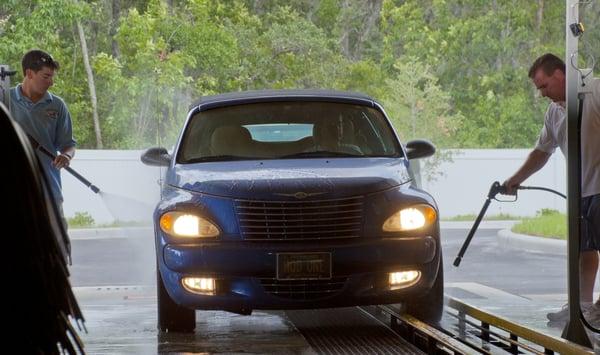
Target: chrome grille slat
[(303, 289), (299, 207), (297, 220), (300, 213), (300, 220), (302, 232), (307, 292), (305, 283), (271, 226)]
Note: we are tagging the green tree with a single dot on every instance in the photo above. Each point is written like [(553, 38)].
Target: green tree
[(152, 58), (480, 51), (420, 108)]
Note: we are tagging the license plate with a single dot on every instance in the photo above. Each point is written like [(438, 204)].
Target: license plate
[(303, 266)]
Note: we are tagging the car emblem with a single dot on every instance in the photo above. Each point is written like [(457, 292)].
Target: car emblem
[(301, 195)]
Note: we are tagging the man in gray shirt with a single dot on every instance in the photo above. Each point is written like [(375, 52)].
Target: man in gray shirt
[(548, 75)]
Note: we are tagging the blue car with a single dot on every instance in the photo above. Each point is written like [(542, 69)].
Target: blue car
[(293, 200)]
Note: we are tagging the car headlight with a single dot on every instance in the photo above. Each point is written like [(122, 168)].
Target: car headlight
[(182, 224), (410, 218)]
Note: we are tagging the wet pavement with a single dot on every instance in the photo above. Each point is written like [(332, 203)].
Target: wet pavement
[(122, 320), (519, 286)]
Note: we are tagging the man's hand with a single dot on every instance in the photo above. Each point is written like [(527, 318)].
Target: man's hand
[(62, 161), (511, 184), (534, 162)]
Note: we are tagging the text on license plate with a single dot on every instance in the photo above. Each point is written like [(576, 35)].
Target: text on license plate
[(306, 266)]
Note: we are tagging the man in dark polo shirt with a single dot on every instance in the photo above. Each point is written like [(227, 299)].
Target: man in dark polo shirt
[(44, 116)]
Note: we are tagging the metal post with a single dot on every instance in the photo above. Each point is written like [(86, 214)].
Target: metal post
[(5, 74), (574, 329)]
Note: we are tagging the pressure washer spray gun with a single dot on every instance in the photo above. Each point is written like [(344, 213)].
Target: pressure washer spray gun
[(52, 156), (495, 189)]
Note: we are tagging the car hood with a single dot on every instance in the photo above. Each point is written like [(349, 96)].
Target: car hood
[(291, 179)]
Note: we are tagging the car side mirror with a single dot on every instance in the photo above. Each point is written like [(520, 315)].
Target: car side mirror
[(419, 148), (156, 156)]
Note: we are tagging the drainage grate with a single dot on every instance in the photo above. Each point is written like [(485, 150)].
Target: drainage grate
[(348, 331)]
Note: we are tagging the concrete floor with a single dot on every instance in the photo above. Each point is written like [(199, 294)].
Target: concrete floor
[(122, 320), (517, 285)]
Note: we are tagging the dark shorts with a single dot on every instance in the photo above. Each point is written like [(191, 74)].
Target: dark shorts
[(590, 223)]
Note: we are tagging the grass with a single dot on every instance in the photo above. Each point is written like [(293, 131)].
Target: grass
[(472, 217), (547, 223), (118, 223), (85, 220)]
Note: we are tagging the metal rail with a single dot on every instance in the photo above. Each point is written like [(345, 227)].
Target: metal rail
[(474, 331), (427, 338)]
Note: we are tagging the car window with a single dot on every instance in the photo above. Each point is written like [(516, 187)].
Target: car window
[(279, 132), (291, 130)]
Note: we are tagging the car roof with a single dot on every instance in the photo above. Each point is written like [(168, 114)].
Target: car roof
[(242, 97)]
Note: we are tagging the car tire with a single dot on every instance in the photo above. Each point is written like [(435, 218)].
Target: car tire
[(430, 307), (171, 316)]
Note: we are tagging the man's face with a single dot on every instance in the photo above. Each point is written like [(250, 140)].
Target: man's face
[(552, 87), (41, 80)]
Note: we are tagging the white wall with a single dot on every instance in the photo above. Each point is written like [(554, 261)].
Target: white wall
[(467, 179), (125, 182), (462, 189)]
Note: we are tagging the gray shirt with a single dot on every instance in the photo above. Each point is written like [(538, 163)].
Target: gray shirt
[(554, 134)]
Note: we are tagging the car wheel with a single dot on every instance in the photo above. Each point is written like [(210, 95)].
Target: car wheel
[(171, 316), (430, 307)]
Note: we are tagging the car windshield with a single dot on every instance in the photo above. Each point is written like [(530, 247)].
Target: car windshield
[(288, 130)]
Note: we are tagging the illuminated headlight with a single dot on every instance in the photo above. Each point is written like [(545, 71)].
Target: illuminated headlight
[(403, 279), (187, 225), (410, 218), (201, 285)]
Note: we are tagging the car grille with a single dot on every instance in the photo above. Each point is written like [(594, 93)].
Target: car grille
[(304, 289), (293, 220)]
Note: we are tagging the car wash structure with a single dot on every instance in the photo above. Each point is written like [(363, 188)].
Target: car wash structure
[(467, 329), (575, 94)]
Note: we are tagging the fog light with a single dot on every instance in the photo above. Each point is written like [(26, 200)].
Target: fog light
[(200, 285), (403, 279)]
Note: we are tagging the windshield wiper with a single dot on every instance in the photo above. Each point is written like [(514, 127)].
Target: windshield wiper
[(319, 154), (217, 158)]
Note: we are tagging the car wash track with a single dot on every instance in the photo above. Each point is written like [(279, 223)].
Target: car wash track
[(386, 330), (121, 320), (506, 293)]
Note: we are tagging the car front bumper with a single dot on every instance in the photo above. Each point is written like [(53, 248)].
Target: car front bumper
[(246, 276)]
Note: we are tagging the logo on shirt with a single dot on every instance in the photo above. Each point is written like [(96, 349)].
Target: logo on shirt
[(53, 114)]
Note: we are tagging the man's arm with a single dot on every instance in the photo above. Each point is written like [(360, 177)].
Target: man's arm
[(64, 158), (64, 137), (534, 162), (70, 151)]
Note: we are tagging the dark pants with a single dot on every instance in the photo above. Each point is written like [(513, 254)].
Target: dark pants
[(590, 224)]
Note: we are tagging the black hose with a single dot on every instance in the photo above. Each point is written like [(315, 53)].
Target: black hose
[(542, 189)]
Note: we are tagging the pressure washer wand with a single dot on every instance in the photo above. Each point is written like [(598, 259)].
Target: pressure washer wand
[(494, 190), (85, 181)]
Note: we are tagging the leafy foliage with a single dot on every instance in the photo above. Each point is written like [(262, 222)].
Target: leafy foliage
[(452, 71), (80, 220)]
